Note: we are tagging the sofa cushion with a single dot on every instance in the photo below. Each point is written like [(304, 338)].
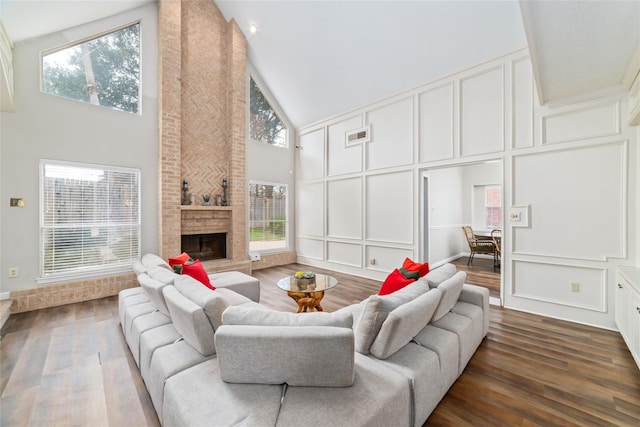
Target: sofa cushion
[(375, 311), (238, 282), (153, 288), (190, 321), (212, 302), (248, 315), (162, 274), (404, 323), (421, 268), (394, 281), (314, 356), (450, 289), (153, 260), (197, 396), (197, 271), (440, 274), (379, 397)]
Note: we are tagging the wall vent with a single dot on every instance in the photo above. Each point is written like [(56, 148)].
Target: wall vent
[(358, 136)]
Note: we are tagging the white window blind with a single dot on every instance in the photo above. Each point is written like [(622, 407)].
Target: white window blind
[(89, 219)]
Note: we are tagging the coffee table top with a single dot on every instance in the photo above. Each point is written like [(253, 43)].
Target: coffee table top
[(322, 283)]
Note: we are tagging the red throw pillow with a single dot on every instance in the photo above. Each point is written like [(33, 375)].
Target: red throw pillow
[(394, 282), (422, 268), (180, 259), (197, 271)]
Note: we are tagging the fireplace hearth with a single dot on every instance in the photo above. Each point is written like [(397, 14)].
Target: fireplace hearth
[(205, 246)]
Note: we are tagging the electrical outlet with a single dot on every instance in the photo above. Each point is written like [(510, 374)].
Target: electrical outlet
[(372, 261), (575, 287), (14, 272)]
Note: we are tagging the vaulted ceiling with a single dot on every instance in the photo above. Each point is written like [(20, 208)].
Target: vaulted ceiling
[(323, 58)]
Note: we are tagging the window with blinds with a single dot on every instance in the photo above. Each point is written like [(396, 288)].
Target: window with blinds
[(89, 219)]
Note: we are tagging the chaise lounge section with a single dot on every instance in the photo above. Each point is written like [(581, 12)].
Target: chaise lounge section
[(220, 358)]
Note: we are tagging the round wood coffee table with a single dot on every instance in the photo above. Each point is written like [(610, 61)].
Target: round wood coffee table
[(307, 295)]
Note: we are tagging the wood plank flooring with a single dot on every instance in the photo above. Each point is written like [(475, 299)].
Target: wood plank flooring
[(70, 365)]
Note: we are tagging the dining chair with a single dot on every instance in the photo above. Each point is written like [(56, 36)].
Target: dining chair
[(496, 236), (477, 246)]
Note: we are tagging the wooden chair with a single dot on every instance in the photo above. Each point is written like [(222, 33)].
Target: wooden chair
[(496, 236), (478, 246)]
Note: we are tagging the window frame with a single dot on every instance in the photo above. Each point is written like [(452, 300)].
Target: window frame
[(96, 270), (487, 206), (287, 221), (90, 37), (253, 74)]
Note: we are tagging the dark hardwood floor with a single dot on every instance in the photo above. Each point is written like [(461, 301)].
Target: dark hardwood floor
[(70, 365)]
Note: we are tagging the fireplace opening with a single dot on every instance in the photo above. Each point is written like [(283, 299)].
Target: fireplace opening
[(205, 246)]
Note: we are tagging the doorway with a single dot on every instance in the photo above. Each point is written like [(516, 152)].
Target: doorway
[(456, 195)]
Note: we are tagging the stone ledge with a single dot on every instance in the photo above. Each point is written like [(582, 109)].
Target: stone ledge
[(220, 265), (5, 311)]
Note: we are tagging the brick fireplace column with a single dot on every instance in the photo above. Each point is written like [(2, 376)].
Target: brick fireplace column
[(170, 122)]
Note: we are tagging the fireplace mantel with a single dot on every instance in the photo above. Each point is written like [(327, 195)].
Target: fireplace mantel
[(204, 208)]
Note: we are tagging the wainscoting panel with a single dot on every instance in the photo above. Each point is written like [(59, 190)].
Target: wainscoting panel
[(390, 207), (482, 113), (391, 135), (345, 253), (343, 159), (590, 122), (436, 123), (385, 259), (310, 208), (310, 248), (522, 103), (344, 210), (579, 287), (578, 202), (311, 155)]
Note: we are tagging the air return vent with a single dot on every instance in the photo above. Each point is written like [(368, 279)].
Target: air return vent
[(358, 136)]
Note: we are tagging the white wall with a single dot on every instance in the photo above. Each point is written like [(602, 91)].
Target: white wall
[(50, 127), (574, 165)]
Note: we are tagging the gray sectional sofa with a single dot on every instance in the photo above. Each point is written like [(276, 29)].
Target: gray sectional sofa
[(219, 358)]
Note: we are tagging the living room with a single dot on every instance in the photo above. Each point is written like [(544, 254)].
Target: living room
[(569, 169)]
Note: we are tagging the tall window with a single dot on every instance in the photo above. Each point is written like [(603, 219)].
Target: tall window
[(493, 207), (267, 216), (102, 71), (264, 123), (89, 219)]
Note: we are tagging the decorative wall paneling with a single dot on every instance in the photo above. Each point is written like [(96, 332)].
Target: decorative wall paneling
[(552, 283), (389, 209), (342, 159), (482, 112), (345, 253), (311, 248), (592, 121), (436, 123), (575, 165), (391, 135), (344, 208), (310, 209), (311, 155), (578, 201), (522, 92), (384, 259)]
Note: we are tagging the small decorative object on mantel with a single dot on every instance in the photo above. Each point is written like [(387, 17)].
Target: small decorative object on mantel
[(225, 184), (305, 279), (218, 200), (206, 199), (185, 192)]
